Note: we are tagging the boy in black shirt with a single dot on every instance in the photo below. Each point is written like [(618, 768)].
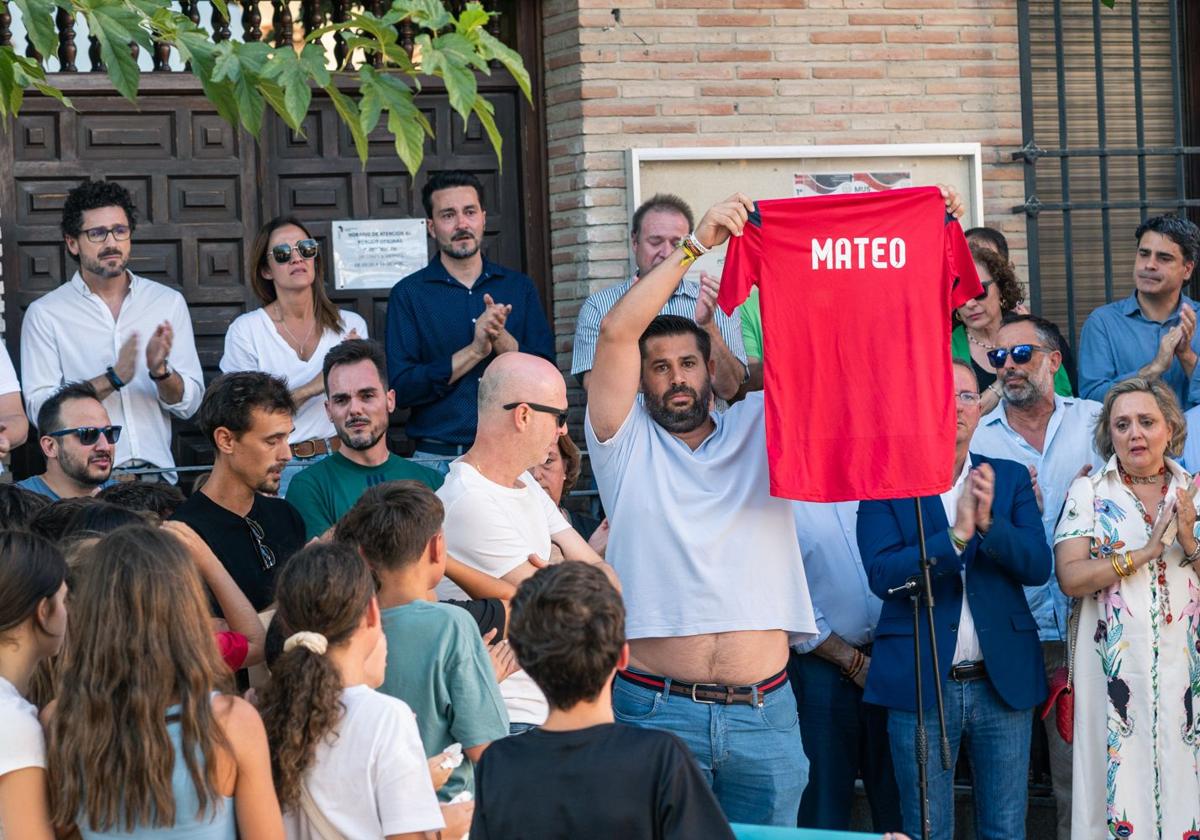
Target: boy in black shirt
[(581, 774)]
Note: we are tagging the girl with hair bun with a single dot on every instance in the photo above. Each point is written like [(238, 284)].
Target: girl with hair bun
[(33, 622), (142, 741), (347, 760)]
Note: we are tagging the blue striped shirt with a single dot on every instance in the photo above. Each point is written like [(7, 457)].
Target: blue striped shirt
[(430, 317), (682, 303)]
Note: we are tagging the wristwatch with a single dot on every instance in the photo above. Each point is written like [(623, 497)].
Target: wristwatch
[(166, 374), (113, 379)]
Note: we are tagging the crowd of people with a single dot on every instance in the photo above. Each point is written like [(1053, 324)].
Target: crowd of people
[(326, 640)]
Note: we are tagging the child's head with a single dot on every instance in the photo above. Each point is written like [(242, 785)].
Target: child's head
[(568, 630), (393, 524)]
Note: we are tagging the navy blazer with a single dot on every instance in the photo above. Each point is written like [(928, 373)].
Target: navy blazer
[(1012, 554)]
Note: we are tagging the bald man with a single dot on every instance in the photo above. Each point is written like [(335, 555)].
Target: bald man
[(497, 516)]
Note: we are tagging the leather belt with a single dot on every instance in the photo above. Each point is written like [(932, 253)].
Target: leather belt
[(437, 447), (967, 671), (313, 447), (710, 693)]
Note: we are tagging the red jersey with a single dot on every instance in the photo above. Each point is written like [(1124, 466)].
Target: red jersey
[(856, 293)]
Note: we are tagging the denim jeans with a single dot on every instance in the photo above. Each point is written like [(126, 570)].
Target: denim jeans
[(520, 728), (437, 463), (750, 755), (843, 738), (996, 738)]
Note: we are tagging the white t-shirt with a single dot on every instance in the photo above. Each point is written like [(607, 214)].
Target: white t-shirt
[(699, 542), (8, 379), (22, 743), (253, 343), (372, 779), (494, 529)]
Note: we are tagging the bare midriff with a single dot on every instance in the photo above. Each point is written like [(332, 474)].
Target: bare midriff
[(742, 657)]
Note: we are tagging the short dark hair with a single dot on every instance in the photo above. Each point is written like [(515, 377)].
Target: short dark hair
[(1047, 332), (1011, 293), (102, 518), (52, 520), (567, 628), (676, 325), (155, 497), (662, 201), (18, 506), (990, 235), (92, 195), (353, 351), (1179, 230), (232, 397), (446, 180), (49, 418), (391, 523)]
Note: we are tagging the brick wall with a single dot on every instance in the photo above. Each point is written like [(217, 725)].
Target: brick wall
[(624, 73)]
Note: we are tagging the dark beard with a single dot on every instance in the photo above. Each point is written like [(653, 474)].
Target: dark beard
[(1029, 394), (685, 420), (359, 445), (100, 269), (454, 250)]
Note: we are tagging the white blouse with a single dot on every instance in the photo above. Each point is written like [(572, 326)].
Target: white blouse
[(253, 343)]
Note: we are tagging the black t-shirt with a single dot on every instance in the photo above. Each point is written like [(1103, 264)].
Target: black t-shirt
[(488, 614), (610, 780), (231, 539)]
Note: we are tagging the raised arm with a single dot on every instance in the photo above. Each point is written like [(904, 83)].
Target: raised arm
[(616, 370)]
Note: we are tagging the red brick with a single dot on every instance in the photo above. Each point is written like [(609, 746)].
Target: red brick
[(736, 19), (687, 109), (845, 106), (605, 109), (923, 104), (958, 54), (658, 127), (591, 91), (697, 4), (695, 71), (724, 55), (883, 19), (886, 54), (846, 36), (922, 36), (976, 70), (775, 71), (658, 55), (848, 72), (738, 90), (769, 4)]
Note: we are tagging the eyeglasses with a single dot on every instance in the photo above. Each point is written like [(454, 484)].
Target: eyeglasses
[(559, 413), (987, 284), (967, 397), (265, 554), (88, 435), (282, 253), (1019, 353), (99, 234)]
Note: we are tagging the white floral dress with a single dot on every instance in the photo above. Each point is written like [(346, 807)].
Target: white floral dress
[(1137, 675)]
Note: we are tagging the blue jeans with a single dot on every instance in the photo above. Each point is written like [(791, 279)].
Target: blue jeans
[(996, 738), (843, 738), (437, 463), (520, 728), (750, 755)]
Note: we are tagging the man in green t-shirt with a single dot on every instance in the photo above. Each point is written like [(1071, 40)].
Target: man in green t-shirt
[(436, 661), (358, 403)]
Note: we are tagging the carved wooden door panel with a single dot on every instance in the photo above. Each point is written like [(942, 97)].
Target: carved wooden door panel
[(193, 180)]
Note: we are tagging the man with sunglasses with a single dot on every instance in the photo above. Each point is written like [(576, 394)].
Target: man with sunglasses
[(1051, 435), (78, 441), (497, 515), (247, 418), (129, 337)]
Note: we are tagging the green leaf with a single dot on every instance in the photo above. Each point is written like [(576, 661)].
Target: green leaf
[(250, 104), (312, 58), (461, 86), (38, 17), (274, 96), (11, 93), (472, 17), (371, 104), (226, 65), (410, 140), (486, 115), (491, 47), (430, 14), (109, 24), (349, 113), (222, 7)]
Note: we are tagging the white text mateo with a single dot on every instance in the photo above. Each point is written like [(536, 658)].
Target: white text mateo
[(858, 253)]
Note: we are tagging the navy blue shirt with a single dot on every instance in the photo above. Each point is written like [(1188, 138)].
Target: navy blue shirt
[(430, 317)]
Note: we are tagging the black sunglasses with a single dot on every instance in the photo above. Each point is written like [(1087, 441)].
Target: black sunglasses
[(559, 413), (987, 284), (265, 554), (88, 435), (1020, 354), (282, 253)]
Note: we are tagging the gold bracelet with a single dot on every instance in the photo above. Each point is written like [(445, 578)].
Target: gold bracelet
[(1117, 567), (1129, 567)]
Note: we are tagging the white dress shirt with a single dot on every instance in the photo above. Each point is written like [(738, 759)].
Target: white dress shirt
[(8, 379), (69, 335), (966, 648)]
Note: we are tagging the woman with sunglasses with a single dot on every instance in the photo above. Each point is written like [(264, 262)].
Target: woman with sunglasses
[(977, 325), (290, 334)]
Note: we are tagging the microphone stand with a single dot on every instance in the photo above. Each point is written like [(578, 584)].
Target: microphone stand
[(920, 587)]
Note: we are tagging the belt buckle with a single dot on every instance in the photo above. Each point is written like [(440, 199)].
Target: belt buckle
[(696, 699), (304, 449)]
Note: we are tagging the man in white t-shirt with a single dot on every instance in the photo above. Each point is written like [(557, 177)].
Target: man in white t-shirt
[(498, 519), (711, 567)]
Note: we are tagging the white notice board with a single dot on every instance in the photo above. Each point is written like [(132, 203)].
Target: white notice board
[(704, 176), (376, 253)]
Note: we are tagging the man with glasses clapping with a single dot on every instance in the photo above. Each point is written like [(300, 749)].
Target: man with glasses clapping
[(127, 336), (78, 441)]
